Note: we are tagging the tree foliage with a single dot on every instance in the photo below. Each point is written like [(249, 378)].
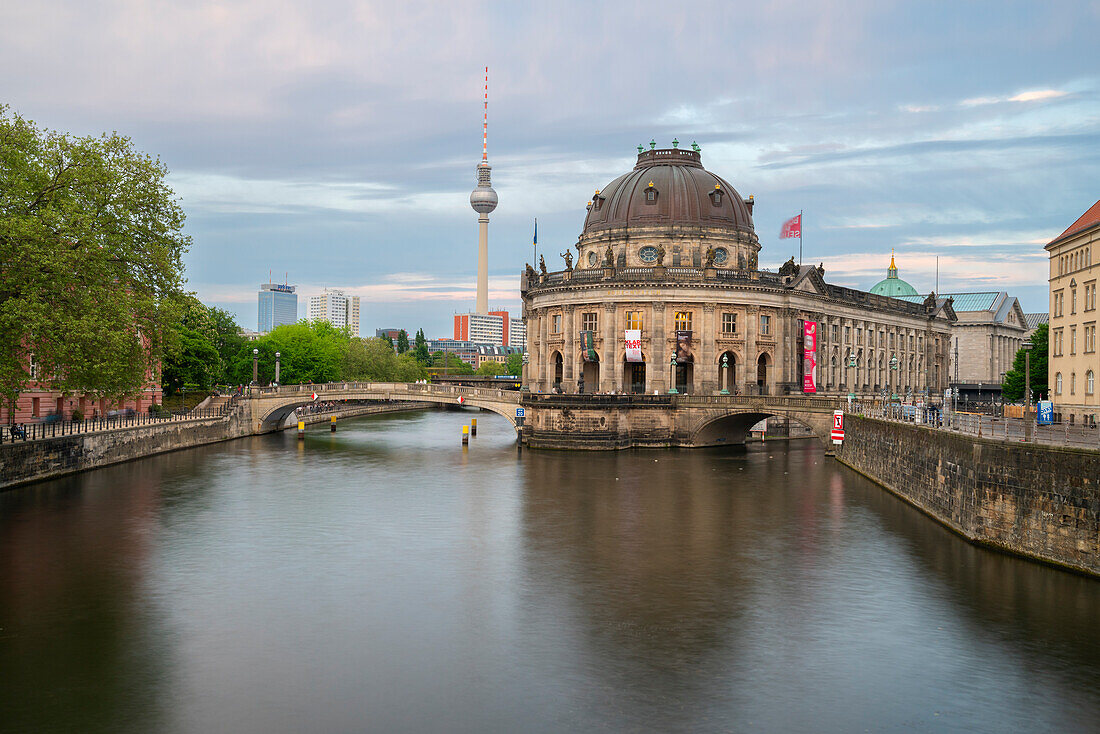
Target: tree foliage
[(1014, 378), (201, 346), (402, 341), (514, 365), (491, 368), (420, 351), (90, 260), (452, 362)]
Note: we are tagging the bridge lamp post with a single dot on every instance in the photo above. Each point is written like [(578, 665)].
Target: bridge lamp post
[(672, 375), (277, 355), (1027, 389), (524, 376), (255, 365), (851, 364), (725, 374)]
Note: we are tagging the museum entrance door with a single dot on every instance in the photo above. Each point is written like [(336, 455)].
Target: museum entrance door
[(634, 377)]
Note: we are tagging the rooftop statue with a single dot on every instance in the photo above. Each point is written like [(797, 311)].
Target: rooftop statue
[(542, 264), (568, 257), (788, 268)]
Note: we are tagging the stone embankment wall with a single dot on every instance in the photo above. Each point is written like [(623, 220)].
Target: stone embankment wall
[(1037, 501), (32, 461)]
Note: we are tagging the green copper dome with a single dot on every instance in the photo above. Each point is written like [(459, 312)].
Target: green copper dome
[(893, 286)]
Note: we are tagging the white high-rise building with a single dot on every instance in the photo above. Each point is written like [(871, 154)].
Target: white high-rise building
[(337, 308), (517, 334)]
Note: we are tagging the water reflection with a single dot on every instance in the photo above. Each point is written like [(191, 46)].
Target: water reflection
[(384, 578)]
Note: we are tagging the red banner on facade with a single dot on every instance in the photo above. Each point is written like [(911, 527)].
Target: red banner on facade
[(792, 227), (809, 356)]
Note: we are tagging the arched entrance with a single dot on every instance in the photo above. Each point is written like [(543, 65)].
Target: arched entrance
[(590, 376), (684, 376), (634, 377), (559, 370), (762, 374), (727, 372)]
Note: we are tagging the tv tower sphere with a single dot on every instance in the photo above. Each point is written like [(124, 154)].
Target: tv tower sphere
[(483, 199)]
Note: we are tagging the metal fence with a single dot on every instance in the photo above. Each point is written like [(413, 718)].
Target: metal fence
[(55, 428)]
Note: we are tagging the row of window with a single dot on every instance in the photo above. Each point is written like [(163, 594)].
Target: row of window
[(885, 339), (1058, 300), (590, 322), (1090, 383), (1057, 348), (1081, 258)]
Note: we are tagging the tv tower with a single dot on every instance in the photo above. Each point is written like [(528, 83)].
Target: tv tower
[(484, 200)]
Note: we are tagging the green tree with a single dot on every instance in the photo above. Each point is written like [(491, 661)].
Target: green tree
[(491, 368), (373, 359), (421, 349), (453, 364), (91, 244), (1014, 378), (228, 339), (514, 365), (190, 354), (402, 341), (310, 352)]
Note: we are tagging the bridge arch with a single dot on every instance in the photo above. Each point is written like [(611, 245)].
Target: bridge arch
[(724, 428)]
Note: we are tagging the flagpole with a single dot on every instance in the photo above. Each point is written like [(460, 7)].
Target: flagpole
[(800, 225), (535, 245)]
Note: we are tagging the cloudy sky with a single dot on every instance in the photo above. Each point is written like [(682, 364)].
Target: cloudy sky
[(336, 141)]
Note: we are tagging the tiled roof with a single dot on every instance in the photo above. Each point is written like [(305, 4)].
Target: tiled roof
[(963, 301), (1034, 319), (1086, 220)]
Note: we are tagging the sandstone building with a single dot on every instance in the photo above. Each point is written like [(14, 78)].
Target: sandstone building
[(1074, 361), (669, 253)]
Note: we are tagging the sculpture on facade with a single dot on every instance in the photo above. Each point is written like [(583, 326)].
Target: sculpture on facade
[(930, 302), (568, 257), (530, 271), (609, 257), (542, 264), (821, 269), (660, 254), (788, 268), (752, 261), (710, 257)]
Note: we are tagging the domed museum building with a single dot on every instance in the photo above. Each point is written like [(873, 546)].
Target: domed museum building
[(665, 293)]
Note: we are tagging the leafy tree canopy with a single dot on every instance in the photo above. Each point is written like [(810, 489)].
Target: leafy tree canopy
[(91, 244), (491, 368), (514, 365), (402, 341), (1014, 378)]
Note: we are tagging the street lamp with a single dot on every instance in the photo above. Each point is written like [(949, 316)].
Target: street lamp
[(851, 363), (725, 374), (1027, 389), (893, 378), (524, 376), (672, 375), (255, 364), (277, 355)]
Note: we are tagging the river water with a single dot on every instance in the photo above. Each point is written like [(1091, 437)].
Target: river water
[(384, 579)]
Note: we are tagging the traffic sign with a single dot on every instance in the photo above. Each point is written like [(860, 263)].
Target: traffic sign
[(461, 399), (519, 412), (838, 426)]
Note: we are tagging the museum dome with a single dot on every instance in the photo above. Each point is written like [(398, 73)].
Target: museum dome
[(892, 285), (668, 186)]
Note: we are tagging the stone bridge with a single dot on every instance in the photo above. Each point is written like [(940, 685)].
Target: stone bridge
[(622, 421), (576, 421), (272, 405)]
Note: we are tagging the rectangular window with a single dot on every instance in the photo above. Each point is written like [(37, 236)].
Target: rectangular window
[(1073, 301), (859, 336), (729, 323), (683, 321), (589, 322), (765, 325), (32, 367), (634, 320), (35, 406), (847, 334), (836, 333), (1073, 340), (555, 324)]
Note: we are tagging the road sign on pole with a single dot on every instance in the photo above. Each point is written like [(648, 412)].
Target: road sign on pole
[(519, 412), (838, 426)]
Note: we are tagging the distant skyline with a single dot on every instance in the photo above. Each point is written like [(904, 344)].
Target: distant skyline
[(337, 142)]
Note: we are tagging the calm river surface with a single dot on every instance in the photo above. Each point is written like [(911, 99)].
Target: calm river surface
[(383, 579)]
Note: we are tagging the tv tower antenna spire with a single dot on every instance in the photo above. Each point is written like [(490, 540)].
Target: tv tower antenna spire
[(483, 200)]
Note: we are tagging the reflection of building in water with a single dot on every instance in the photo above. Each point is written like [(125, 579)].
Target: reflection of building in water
[(669, 251)]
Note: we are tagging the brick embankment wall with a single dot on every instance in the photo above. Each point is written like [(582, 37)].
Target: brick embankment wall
[(311, 418), (1037, 501), (32, 461)]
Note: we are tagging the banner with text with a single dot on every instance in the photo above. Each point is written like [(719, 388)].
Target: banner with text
[(633, 345), (809, 356)]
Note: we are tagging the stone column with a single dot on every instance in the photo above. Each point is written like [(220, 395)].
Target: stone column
[(656, 368), (706, 364), (608, 373), (569, 359), (752, 323), (544, 351)]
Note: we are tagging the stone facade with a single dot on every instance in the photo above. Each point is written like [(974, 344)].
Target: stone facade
[(1037, 501), (744, 324)]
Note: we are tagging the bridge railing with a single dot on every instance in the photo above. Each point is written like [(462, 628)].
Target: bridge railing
[(333, 390)]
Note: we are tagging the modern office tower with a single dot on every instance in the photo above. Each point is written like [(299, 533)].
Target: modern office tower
[(337, 308), (278, 305), (517, 334)]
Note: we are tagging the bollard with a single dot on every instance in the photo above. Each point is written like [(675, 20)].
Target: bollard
[(473, 426), (301, 430), (465, 435), (332, 424)]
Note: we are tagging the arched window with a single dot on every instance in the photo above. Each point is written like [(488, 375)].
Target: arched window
[(1058, 383)]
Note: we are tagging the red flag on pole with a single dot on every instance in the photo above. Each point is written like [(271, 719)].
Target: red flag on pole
[(792, 227)]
